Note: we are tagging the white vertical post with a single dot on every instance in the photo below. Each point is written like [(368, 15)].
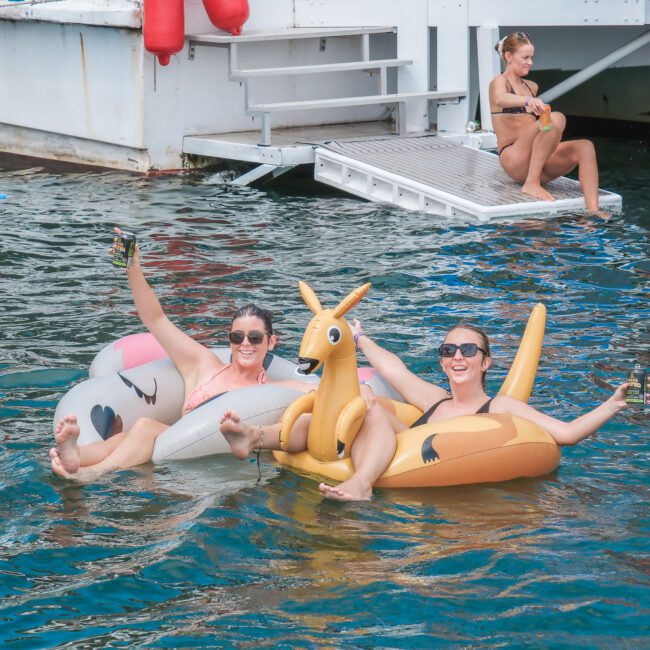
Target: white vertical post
[(452, 31), (489, 66)]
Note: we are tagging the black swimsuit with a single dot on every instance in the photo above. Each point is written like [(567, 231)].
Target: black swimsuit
[(424, 418), (514, 110)]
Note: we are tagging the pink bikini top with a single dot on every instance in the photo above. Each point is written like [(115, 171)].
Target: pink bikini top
[(206, 391)]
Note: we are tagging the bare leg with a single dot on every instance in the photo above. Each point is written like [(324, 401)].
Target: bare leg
[(565, 158), (135, 449), (72, 456), (94, 452), (544, 145), (244, 438), (372, 451)]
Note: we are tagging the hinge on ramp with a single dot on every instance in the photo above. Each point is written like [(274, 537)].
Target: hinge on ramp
[(266, 172)]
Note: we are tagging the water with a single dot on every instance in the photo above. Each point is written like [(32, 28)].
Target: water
[(201, 554)]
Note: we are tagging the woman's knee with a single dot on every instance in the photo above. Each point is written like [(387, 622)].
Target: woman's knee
[(558, 120), (586, 148)]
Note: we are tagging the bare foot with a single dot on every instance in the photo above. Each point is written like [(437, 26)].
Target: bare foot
[(602, 214), (57, 466), (83, 475), (241, 437), (66, 436), (354, 489), (536, 190)]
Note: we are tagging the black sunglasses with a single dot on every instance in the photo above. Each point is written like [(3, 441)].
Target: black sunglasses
[(255, 337), (522, 36), (466, 349)]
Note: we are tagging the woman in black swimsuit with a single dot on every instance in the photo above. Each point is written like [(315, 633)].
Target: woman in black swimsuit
[(526, 153), (465, 359)]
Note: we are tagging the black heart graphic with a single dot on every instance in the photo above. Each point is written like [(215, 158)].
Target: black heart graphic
[(105, 421)]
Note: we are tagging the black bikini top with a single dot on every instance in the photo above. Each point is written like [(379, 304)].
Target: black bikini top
[(514, 110), (424, 418)]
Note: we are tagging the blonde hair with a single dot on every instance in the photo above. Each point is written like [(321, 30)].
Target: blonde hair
[(511, 43)]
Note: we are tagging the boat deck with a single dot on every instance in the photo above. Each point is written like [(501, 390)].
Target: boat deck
[(291, 145)]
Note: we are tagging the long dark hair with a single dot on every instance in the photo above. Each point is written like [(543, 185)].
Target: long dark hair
[(252, 309), (484, 339)]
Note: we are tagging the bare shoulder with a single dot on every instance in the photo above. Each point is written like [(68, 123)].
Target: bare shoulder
[(534, 86), (498, 83), (509, 405)]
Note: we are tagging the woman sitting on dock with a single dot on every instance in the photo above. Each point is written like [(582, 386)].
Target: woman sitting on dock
[(465, 358), (528, 153), (205, 377)]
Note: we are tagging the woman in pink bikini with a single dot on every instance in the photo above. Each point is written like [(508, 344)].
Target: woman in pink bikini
[(205, 376), (527, 153)]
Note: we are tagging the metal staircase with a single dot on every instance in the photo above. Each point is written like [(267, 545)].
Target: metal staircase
[(265, 110)]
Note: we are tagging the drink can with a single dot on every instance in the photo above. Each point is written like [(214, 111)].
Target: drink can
[(545, 118), (637, 388), (124, 249)]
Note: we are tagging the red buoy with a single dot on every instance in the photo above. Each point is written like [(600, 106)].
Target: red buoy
[(229, 15), (164, 28)]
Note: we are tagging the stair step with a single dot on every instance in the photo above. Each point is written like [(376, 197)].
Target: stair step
[(373, 64), (289, 34), (366, 100)]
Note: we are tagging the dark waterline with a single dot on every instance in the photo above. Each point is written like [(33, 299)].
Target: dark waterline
[(200, 554)]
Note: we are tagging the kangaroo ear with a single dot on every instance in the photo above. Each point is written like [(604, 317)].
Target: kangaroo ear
[(309, 297), (351, 300)]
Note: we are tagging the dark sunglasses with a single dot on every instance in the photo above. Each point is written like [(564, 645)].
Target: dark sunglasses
[(466, 349), (255, 337), (522, 36)]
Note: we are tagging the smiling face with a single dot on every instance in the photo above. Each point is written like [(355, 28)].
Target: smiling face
[(246, 354), (521, 60), (462, 370)]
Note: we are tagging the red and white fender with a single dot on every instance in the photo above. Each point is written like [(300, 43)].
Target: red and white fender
[(229, 15), (164, 28)]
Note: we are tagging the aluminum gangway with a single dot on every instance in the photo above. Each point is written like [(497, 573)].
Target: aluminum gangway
[(435, 175)]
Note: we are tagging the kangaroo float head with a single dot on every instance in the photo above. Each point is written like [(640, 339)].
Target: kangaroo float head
[(327, 335)]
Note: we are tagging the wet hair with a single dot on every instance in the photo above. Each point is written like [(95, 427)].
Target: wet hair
[(252, 309), (484, 338), (511, 43)]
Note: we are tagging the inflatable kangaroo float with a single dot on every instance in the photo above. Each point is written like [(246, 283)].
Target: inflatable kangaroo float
[(468, 449)]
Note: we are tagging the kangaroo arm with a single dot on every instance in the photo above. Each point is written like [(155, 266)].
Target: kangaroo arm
[(299, 406), (349, 422)]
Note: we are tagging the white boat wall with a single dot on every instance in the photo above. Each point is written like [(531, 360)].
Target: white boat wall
[(83, 89)]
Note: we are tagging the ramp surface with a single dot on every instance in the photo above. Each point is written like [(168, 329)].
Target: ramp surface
[(435, 175)]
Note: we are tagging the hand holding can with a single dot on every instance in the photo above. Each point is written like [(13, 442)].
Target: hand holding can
[(545, 118), (123, 249), (636, 390)]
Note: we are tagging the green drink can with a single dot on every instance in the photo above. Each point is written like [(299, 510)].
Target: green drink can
[(124, 249), (636, 385)]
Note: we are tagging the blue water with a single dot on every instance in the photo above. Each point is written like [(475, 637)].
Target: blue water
[(201, 554)]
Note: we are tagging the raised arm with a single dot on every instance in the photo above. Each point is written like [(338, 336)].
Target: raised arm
[(190, 357), (415, 391), (566, 433)]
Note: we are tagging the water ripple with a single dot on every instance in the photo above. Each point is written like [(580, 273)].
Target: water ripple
[(201, 553)]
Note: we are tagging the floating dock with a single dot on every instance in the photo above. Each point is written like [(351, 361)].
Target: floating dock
[(437, 176)]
